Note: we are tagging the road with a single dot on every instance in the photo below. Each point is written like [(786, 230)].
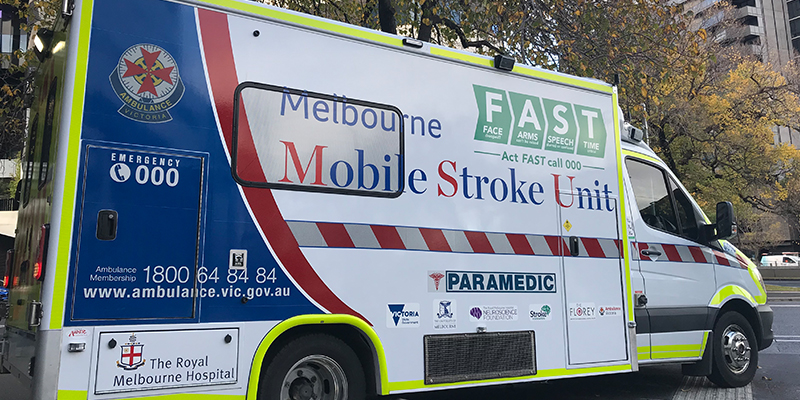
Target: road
[(776, 378), (787, 282)]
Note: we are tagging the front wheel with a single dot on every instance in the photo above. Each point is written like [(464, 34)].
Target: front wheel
[(735, 351), (318, 367)]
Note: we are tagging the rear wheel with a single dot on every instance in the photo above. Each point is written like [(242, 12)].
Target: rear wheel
[(735, 351), (318, 367)]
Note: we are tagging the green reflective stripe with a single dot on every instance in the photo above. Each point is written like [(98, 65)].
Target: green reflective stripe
[(457, 55), (541, 74), (546, 373), (643, 352), (660, 355), (705, 342), (730, 291), (315, 319), (83, 395), (72, 395), (623, 209), (676, 347), (761, 298), (642, 156), (71, 169)]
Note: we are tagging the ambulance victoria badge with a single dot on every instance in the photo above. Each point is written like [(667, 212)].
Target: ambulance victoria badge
[(146, 79)]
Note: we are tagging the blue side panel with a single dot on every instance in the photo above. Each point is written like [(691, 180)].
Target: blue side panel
[(138, 223), (204, 211)]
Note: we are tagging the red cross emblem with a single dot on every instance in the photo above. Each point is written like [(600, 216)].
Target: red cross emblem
[(131, 356), (153, 69)]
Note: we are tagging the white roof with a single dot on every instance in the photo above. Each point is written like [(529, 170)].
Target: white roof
[(8, 223)]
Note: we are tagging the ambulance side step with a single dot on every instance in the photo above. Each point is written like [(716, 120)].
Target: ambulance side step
[(478, 356)]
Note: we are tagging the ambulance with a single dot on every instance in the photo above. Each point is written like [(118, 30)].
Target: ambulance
[(225, 200)]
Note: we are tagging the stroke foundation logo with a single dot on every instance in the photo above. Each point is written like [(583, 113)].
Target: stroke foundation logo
[(146, 79)]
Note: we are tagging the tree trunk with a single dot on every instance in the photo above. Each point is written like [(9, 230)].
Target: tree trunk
[(386, 16), (426, 24)]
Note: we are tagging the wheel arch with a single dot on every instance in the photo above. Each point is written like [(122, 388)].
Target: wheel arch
[(354, 331), (747, 310)]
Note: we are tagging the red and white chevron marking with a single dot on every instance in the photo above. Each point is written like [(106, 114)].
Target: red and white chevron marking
[(688, 254), (363, 236)]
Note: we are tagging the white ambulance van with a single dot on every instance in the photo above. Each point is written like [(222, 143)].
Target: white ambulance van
[(227, 200)]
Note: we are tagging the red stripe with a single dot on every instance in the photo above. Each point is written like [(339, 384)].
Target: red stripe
[(388, 237), (721, 259), (479, 242), (556, 244), (519, 243), (223, 81), (698, 255), (435, 239), (672, 252), (335, 235), (593, 248), (639, 247), (742, 261)]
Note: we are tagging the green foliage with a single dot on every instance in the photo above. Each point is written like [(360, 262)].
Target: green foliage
[(15, 77)]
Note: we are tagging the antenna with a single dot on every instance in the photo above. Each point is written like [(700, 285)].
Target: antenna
[(646, 130)]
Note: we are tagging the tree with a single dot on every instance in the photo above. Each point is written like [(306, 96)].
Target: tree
[(16, 70), (464, 23)]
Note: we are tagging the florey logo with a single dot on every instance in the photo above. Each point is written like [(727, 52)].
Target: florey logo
[(146, 79)]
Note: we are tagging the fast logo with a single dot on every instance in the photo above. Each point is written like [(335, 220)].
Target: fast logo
[(403, 315), (534, 122), (146, 79)]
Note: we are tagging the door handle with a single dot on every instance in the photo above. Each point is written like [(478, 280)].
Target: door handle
[(649, 253), (574, 247)]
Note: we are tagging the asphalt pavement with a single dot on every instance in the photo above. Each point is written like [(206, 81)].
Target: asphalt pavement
[(777, 377), (784, 282)]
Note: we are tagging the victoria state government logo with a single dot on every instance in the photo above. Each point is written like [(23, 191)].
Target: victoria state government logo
[(146, 79)]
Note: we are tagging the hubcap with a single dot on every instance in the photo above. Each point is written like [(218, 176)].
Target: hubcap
[(316, 377), (736, 349)]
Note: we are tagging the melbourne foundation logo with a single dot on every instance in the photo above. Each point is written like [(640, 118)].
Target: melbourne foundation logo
[(146, 79)]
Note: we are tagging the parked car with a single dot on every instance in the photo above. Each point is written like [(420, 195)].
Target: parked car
[(780, 261)]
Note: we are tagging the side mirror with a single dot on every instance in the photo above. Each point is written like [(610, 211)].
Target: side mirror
[(726, 227)]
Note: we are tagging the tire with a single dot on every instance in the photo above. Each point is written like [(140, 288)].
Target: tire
[(315, 365), (735, 351)]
